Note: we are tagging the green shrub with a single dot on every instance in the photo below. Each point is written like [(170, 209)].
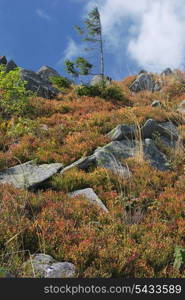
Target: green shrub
[(112, 92), (22, 127), (61, 82), (13, 95), (89, 91), (108, 93)]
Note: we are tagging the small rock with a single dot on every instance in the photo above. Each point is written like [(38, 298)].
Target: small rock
[(98, 80), (43, 265), (156, 103), (90, 195)]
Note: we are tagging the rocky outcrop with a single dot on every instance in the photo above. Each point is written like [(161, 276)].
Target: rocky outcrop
[(90, 196), (29, 175), (11, 65), (145, 81), (3, 60), (46, 72), (44, 266), (36, 84), (124, 144)]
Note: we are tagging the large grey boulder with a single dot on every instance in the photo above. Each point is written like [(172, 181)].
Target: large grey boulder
[(110, 156), (46, 72), (90, 196), (154, 156), (29, 175), (181, 108), (122, 132), (166, 129), (36, 84), (44, 266), (97, 79), (144, 82)]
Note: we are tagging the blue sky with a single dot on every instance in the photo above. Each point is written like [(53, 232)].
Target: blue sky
[(40, 32)]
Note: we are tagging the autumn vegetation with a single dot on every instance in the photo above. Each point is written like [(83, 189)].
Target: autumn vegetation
[(145, 227)]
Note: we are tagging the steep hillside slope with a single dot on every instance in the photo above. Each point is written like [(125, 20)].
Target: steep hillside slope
[(97, 183)]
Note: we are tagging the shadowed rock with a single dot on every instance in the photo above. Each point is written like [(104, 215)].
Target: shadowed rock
[(3, 60), (28, 175), (122, 132), (89, 195), (156, 158), (11, 65), (166, 129), (36, 84), (144, 82)]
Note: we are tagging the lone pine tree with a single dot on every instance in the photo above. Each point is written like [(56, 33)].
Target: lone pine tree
[(92, 33)]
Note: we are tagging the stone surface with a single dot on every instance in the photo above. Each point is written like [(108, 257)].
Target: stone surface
[(10, 66), (110, 155), (144, 82), (46, 72), (122, 132), (156, 158), (43, 265), (156, 103), (91, 196), (97, 79), (28, 175), (36, 84), (83, 164), (152, 127)]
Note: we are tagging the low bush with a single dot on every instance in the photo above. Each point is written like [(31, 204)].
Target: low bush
[(108, 93), (61, 82), (13, 95)]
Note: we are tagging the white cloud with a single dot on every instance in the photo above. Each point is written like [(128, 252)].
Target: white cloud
[(151, 32), (42, 14), (72, 51)]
